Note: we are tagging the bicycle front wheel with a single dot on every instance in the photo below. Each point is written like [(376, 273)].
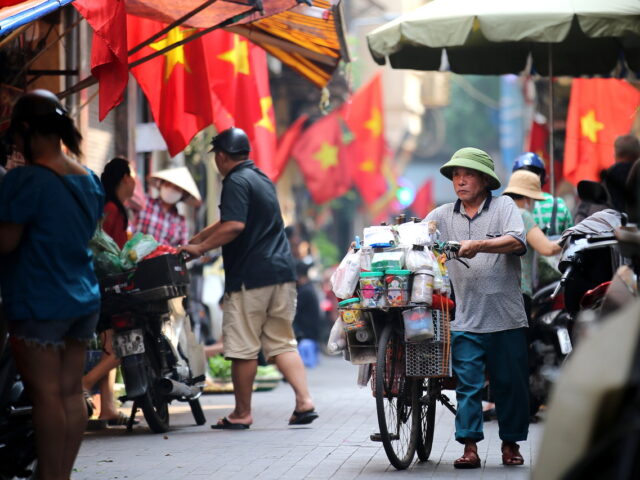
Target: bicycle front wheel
[(427, 391), (396, 399)]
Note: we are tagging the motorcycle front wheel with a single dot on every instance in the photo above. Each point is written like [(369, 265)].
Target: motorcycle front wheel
[(155, 408), (153, 403)]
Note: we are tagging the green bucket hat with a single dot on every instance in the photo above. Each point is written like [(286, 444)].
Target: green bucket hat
[(474, 159)]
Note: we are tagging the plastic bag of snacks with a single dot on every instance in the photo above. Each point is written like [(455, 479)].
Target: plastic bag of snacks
[(337, 337), (345, 279), (438, 282)]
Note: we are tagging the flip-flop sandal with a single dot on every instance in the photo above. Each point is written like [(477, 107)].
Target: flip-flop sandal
[(95, 424), (89, 403), (467, 461), (120, 421), (224, 424), (303, 418), (512, 457)]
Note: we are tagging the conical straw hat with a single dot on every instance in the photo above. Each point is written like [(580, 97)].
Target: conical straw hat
[(180, 177)]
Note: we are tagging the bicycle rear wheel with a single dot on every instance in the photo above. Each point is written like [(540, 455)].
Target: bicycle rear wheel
[(427, 391), (395, 400)]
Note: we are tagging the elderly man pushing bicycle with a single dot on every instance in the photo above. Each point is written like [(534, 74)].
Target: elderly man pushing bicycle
[(488, 333)]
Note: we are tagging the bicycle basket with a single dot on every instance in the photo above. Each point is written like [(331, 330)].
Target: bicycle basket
[(431, 358)]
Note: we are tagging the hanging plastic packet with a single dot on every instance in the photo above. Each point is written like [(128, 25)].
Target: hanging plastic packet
[(437, 274), (418, 258), (337, 338), (345, 279), (446, 284), (366, 257)]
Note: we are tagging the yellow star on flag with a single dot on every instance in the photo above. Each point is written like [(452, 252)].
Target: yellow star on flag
[(176, 55), (327, 155), (590, 126), (367, 166), (238, 56), (265, 121), (374, 123)]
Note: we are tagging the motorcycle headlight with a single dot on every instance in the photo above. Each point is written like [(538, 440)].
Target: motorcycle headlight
[(549, 317)]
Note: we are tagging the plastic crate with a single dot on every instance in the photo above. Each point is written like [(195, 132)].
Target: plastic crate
[(431, 358)]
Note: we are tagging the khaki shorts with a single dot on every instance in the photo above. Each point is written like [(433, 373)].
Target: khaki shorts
[(259, 318)]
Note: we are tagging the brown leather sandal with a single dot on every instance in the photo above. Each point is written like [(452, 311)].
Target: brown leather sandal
[(469, 459), (511, 454)]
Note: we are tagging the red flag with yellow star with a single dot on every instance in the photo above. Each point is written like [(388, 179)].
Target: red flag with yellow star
[(239, 77), (363, 114), (108, 49), (599, 111), (320, 156), (172, 81)]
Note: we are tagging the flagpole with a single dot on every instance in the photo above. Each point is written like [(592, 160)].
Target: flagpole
[(188, 39), (551, 152), (171, 26), (91, 80)]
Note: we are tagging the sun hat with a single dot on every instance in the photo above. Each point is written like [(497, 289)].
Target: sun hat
[(473, 159), (525, 183), (181, 178)]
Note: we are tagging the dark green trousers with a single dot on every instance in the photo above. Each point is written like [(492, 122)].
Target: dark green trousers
[(504, 356)]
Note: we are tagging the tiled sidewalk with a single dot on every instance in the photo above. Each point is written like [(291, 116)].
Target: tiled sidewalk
[(336, 446)]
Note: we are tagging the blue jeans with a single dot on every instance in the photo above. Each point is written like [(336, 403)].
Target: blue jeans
[(504, 356)]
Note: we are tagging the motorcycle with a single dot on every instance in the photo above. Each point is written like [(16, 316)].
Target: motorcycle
[(17, 442), (597, 402), (160, 359), (549, 343)]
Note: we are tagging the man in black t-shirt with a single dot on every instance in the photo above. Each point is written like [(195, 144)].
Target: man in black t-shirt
[(260, 288)]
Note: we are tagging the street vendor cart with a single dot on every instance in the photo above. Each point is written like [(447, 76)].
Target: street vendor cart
[(396, 328)]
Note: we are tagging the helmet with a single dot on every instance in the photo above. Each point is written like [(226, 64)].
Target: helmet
[(37, 105), (232, 140), (532, 162)]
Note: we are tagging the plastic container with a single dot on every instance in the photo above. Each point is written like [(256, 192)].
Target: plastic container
[(422, 288), (372, 291), (397, 282), (350, 312), (418, 324)]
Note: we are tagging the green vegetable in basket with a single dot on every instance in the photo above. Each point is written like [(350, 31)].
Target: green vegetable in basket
[(102, 242), (219, 367), (106, 253)]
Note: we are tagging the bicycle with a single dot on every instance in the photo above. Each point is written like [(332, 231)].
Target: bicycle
[(407, 382), (413, 377)]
